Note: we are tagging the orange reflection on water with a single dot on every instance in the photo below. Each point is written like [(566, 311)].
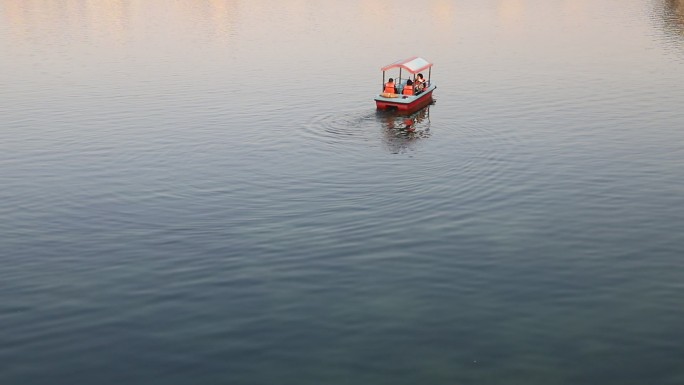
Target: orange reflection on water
[(36, 20), (112, 20), (382, 16), (575, 7), (444, 13), (297, 26), (511, 11), (223, 15)]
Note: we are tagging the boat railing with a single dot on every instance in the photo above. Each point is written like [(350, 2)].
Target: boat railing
[(399, 85)]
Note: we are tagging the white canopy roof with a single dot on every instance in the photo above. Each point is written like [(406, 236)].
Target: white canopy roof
[(413, 65)]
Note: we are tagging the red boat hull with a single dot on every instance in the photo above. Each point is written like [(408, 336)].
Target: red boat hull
[(420, 102)]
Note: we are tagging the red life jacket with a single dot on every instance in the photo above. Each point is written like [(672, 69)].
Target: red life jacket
[(408, 90), (389, 88)]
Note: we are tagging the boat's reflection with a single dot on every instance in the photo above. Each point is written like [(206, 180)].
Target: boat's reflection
[(401, 131)]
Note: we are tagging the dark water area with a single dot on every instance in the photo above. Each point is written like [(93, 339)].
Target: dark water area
[(202, 192)]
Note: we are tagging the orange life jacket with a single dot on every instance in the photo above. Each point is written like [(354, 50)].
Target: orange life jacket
[(389, 88), (408, 90)]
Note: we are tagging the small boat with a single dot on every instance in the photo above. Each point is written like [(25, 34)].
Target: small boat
[(397, 100)]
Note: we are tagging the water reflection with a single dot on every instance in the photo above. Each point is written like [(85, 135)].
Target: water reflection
[(402, 131), (672, 14), (33, 21)]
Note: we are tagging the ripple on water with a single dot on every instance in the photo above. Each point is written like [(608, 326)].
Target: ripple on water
[(336, 129), (344, 130)]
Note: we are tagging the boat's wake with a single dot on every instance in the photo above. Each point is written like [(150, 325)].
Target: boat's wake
[(397, 132), (340, 129)]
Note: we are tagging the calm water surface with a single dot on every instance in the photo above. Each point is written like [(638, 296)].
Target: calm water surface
[(202, 192)]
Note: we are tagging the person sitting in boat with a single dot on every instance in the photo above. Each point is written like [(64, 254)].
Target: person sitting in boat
[(420, 83), (408, 88), (390, 87)]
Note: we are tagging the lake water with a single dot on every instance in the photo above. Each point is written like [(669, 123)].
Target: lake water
[(202, 192)]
